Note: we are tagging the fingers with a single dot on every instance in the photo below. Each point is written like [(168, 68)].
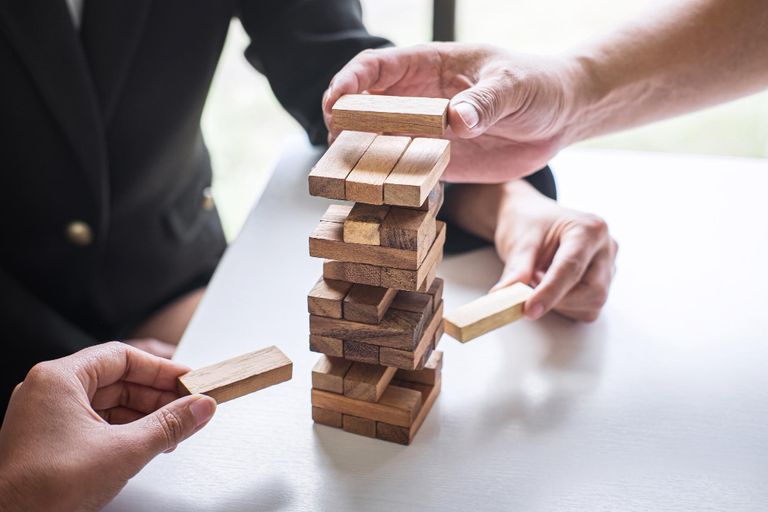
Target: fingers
[(155, 347), (520, 265), (473, 111), (134, 396), (587, 299)]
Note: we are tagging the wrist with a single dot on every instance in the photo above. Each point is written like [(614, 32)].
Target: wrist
[(584, 89)]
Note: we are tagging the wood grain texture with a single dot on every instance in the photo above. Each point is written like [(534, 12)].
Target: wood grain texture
[(434, 200), (336, 213), (487, 313), (405, 435), (328, 177), (413, 359), (327, 417), (329, 372), (365, 183), (427, 375), (327, 298), (359, 426), (238, 376), (326, 345), (417, 172), (397, 329), (361, 352), (415, 302), (403, 228), (366, 381), (363, 224), (397, 406), (359, 273), (436, 291), (391, 114), (367, 304), (420, 279)]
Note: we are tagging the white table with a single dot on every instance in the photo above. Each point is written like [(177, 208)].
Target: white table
[(662, 404)]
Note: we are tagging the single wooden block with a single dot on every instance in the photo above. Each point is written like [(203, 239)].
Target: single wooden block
[(436, 291), (427, 375), (359, 426), (327, 178), (363, 224), (367, 304), (421, 278), (439, 333), (358, 273), (328, 373), (413, 359), (433, 202), (417, 172), (238, 376), (415, 302), (365, 184), (366, 381), (398, 329), (391, 114), (487, 313), (361, 352), (336, 213), (326, 417), (405, 435), (327, 297), (326, 345), (403, 228), (327, 241), (397, 406)]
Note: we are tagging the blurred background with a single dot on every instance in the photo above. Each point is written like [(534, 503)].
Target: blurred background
[(245, 127)]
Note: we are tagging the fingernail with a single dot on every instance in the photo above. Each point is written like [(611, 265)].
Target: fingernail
[(202, 410), (534, 312), (468, 114)]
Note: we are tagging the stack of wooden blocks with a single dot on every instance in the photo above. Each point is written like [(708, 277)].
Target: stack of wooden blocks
[(376, 313)]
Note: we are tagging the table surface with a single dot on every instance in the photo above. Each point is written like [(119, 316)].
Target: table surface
[(662, 404)]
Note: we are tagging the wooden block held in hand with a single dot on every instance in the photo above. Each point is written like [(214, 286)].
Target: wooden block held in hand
[(326, 345), (366, 381), (417, 172), (391, 114), (365, 184), (326, 417), (367, 304), (238, 376), (327, 297), (397, 406), (363, 224), (328, 373), (487, 313), (327, 178), (358, 273)]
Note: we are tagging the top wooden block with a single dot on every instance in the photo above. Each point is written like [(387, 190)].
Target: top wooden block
[(487, 313), (391, 114)]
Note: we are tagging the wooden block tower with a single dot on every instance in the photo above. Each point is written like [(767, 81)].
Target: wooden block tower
[(376, 313)]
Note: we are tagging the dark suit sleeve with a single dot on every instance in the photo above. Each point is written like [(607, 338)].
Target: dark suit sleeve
[(299, 45), (26, 342)]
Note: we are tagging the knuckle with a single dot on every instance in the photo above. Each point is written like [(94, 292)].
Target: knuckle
[(595, 226), (41, 372), (570, 266), (172, 427)]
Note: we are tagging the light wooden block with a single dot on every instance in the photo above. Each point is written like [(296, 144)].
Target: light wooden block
[(417, 172), (405, 435), (367, 382), (326, 417), (397, 406), (434, 200), (421, 278), (404, 228), (488, 312), (427, 375), (336, 213), (397, 329), (359, 273), (326, 345), (365, 184), (329, 372), (367, 304), (391, 114), (238, 376), (328, 177), (361, 352), (363, 224), (327, 298), (359, 426), (412, 360)]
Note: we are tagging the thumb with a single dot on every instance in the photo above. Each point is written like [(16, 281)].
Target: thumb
[(519, 268), (168, 426), (473, 111)]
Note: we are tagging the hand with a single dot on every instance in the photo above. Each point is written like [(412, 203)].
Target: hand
[(79, 427), (155, 347), (508, 113)]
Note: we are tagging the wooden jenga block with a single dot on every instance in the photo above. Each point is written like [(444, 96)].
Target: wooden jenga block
[(327, 417), (397, 406), (414, 301), (238, 376), (391, 114), (358, 273), (433, 202), (488, 312), (427, 375), (404, 435), (403, 228), (412, 359), (436, 291), (363, 224), (439, 333), (325, 345), (336, 213), (367, 304), (328, 373), (359, 426), (327, 241), (366, 382), (397, 329), (327, 178), (365, 184), (361, 352), (327, 297), (421, 278), (417, 172)]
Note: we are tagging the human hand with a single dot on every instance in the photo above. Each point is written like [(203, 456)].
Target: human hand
[(155, 347), (78, 428), (508, 115)]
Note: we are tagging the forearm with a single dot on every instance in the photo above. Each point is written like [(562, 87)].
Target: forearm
[(685, 57)]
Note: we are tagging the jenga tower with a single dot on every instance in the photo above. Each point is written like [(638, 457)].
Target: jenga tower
[(376, 313)]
